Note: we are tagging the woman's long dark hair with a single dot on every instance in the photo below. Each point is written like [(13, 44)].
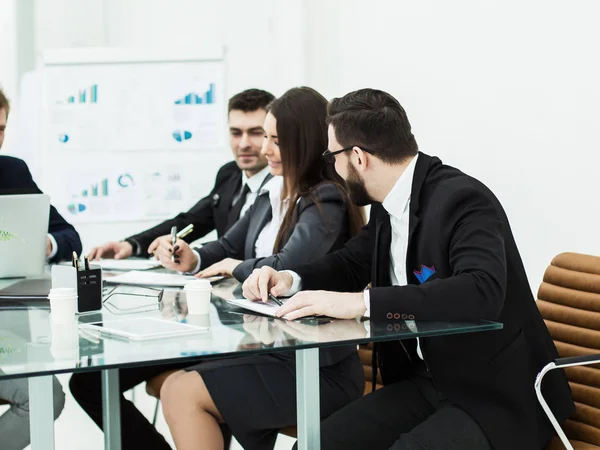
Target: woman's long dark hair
[(302, 135)]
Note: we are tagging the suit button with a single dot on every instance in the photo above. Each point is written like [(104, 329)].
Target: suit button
[(397, 316), (389, 327), (389, 315), (411, 317), (404, 316), (397, 327)]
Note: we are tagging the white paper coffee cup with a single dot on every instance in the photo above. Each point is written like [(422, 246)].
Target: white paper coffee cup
[(197, 295), (199, 320), (63, 304), (65, 339)]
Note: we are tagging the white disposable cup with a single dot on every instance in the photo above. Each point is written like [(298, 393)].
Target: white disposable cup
[(197, 295), (65, 339), (199, 320), (63, 304)]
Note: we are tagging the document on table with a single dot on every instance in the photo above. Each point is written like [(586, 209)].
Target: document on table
[(268, 309), (127, 264), (138, 278)]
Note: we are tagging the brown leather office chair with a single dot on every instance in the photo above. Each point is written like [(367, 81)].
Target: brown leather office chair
[(569, 301)]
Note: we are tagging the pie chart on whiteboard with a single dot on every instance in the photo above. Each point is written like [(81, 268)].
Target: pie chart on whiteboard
[(182, 135)]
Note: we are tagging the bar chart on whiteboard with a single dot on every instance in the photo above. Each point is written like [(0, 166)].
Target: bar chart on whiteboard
[(141, 108), (137, 137)]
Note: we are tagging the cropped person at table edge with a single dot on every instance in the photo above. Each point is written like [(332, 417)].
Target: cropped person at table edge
[(309, 215), (438, 246), (235, 189), (62, 240), (15, 178)]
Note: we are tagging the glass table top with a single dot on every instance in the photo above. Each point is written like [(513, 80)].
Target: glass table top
[(31, 344)]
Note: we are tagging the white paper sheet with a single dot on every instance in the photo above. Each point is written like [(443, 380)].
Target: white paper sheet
[(126, 264), (139, 278)]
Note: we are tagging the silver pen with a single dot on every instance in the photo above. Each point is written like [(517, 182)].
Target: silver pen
[(173, 241)]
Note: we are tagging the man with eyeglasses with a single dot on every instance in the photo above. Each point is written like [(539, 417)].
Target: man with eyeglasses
[(438, 246)]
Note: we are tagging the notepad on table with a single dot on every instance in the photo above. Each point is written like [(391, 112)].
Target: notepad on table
[(138, 278), (127, 264), (268, 308)]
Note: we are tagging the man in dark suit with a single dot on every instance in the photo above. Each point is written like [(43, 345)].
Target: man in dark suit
[(235, 188), (438, 246), (15, 178)]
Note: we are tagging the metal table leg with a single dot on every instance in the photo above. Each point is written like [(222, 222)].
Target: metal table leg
[(111, 409), (41, 412), (307, 399)]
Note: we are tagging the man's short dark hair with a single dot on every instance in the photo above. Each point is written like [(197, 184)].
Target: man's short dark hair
[(250, 100), (375, 120), (4, 103)]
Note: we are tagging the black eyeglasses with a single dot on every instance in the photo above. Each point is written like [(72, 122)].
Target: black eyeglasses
[(329, 156), (108, 293)]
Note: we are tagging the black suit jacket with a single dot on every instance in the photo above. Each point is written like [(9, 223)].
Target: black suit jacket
[(458, 227), (210, 213), (318, 229), (15, 178)]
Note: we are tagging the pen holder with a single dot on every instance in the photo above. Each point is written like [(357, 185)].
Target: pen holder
[(88, 284)]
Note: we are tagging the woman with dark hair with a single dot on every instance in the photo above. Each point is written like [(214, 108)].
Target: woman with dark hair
[(304, 213)]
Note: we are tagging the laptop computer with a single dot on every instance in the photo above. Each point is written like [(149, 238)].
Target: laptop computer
[(23, 233)]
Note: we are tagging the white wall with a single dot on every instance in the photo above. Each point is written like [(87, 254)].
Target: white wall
[(505, 90), (8, 55)]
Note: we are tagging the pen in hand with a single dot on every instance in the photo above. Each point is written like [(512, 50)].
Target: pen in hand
[(187, 230), (275, 299), (173, 241)]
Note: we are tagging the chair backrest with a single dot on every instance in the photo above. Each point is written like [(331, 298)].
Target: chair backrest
[(569, 301)]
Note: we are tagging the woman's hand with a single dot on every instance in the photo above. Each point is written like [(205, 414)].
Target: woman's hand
[(178, 257), (224, 267)]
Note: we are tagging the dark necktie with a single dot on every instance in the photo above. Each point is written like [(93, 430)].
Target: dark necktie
[(238, 204)]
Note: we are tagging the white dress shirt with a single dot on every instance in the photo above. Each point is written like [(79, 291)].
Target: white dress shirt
[(254, 183), (54, 249), (268, 235), (397, 205)]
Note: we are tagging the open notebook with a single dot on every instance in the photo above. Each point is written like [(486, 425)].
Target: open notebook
[(127, 264), (268, 309), (139, 278)]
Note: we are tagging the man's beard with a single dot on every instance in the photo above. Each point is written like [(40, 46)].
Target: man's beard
[(356, 187)]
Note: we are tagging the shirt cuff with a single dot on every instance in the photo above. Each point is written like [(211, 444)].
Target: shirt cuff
[(197, 268), (367, 300), (54, 246), (296, 283)]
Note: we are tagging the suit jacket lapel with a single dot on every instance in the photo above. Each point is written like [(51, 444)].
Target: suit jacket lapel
[(261, 215), (225, 202), (383, 240), (421, 170)]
